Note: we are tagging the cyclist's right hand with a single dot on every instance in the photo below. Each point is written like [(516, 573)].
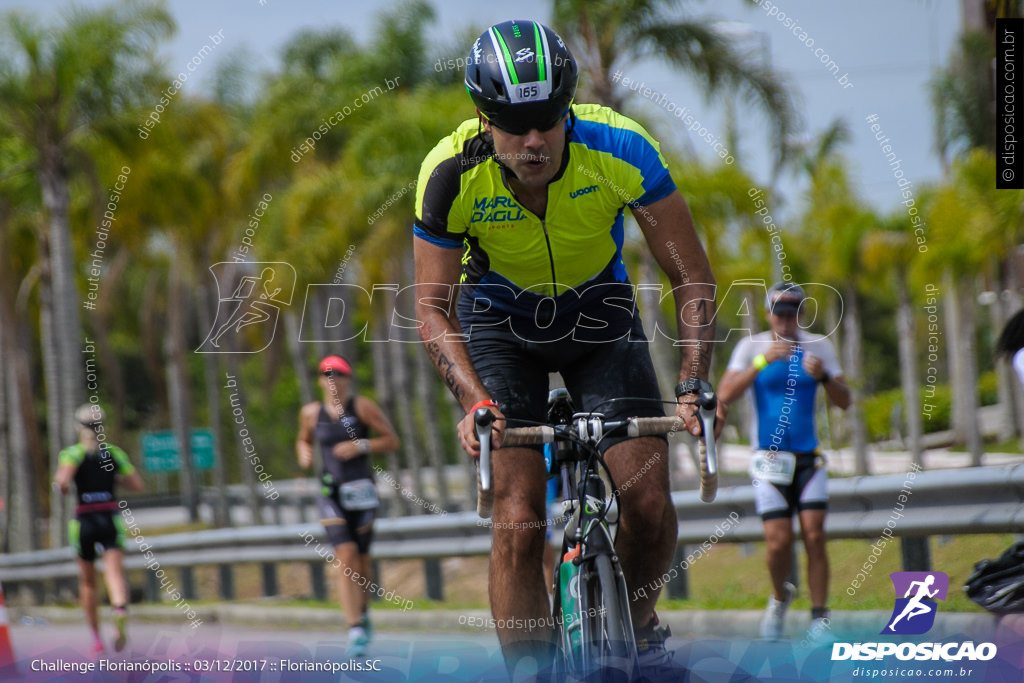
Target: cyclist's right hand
[(467, 433)]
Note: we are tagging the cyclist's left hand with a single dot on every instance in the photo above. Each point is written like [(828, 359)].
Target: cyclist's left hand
[(686, 410), (467, 433)]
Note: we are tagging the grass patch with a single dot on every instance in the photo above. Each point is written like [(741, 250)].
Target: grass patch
[(734, 576)]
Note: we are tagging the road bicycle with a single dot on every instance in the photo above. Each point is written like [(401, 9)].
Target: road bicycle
[(590, 610)]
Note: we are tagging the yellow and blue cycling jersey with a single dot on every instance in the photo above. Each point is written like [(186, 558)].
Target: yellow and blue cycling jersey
[(512, 259)]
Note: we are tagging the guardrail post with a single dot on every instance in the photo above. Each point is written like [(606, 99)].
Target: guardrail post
[(319, 581), (435, 579), (917, 556), (188, 583), (151, 591), (269, 579), (679, 586), (227, 581)]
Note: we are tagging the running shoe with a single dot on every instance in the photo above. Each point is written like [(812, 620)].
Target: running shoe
[(357, 642), (121, 624), (773, 624)]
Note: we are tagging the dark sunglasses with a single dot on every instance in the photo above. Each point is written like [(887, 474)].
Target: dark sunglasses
[(334, 373)]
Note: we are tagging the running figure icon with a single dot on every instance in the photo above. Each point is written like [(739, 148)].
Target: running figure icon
[(915, 606), (920, 592)]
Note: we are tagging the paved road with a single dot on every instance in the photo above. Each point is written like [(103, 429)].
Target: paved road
[(287, 655)]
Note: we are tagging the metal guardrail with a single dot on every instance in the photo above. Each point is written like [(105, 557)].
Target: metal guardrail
[(963, 501)]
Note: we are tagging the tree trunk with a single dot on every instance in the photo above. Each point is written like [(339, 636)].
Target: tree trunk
[(426, 393), (51, 379), (53, 181), (385, 399), (319, 313), (238, 402), (25, 478), (101, 321), (411, 446), (969, 368), (7, 452), (179, 391), (299, 363), (953, 310), (907, 334), (205, 310), (854, 363)]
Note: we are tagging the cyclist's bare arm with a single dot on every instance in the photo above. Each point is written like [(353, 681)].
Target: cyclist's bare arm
[(668, 229), (437, 271), (304, 441)]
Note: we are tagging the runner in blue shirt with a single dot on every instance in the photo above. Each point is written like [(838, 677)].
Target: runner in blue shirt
[(784, 367)]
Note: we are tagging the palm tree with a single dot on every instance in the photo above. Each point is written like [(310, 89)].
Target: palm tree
[(968, 232), (607, 35), (890, 252), (24, 463), (58, 87), (834, 224)]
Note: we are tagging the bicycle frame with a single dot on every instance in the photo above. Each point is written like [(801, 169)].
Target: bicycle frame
[(605, 640)]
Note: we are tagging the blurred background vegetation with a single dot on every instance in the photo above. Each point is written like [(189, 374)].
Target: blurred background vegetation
[(73, 94)]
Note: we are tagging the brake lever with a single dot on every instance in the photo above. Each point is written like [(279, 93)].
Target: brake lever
[(707, 402), (483, 420)]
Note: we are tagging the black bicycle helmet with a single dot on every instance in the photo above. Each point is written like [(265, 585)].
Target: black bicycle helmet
[(521, 76)]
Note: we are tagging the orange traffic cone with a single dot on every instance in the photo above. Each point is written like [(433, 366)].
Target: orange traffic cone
[(6, 651)]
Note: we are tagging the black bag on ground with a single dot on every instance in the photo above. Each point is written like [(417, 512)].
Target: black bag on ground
[(998, 585)]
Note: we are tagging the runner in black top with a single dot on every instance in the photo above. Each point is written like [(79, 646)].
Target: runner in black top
[(95, 467), (341, 423)]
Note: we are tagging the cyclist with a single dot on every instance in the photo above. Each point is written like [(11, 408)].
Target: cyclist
[(96, 467), (518, 248), (784, 366), (341, 424)]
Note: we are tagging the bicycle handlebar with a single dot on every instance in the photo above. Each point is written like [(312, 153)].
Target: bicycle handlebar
[(634, 426)]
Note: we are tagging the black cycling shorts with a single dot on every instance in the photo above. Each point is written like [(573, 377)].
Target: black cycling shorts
[(346, 526), (515, 373), (89, 529)]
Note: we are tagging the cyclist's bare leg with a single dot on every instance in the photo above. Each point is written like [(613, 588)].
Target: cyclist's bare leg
[(87, 593), (516, 581), (812, 529), (350, 593), (648, 527), (778, 539)]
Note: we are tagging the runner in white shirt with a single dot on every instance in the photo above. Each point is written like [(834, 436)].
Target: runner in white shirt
[(784, 367)]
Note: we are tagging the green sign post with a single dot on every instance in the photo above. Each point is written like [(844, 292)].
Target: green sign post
[(160, 451)]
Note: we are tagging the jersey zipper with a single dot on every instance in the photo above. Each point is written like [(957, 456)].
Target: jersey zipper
[(551, 256)]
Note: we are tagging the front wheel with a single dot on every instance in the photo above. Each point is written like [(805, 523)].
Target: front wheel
[(608, 643)]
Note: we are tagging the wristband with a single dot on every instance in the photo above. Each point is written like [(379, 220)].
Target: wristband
[(487, 403), (364, 446), (825, 377), (760, 362)]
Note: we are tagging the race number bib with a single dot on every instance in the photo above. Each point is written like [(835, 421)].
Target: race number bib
[(777, 467), (360, 494)]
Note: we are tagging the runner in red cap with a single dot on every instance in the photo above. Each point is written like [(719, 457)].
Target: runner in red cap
[(342, 424)]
